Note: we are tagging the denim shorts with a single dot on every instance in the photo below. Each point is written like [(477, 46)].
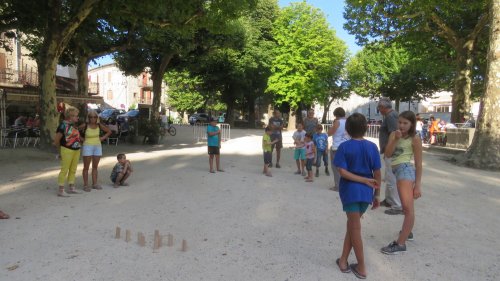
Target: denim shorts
[(268, 157), (404, 171), (309, 164), (356, 207), (92, 150)]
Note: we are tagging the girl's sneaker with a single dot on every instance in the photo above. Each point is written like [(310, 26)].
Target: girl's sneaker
[(393, 249), (410, 236)]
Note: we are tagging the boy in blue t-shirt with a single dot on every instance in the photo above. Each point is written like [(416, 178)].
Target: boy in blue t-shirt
[(358, 161), (320, 140), (213, 143)]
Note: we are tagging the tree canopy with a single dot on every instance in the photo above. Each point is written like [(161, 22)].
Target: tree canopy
[(308, 56), (452, 26)]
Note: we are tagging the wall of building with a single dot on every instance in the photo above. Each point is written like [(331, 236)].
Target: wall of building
[(119, 90)]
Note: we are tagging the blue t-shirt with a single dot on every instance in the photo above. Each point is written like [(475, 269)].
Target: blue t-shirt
[(320, 141), (360, 157), (212, 140)]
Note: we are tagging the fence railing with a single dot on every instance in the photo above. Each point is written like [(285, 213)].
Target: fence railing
[(373, 131), (11, 76), (200, 131)]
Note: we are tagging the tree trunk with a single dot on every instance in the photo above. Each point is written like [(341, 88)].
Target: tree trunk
[(230, 113), (49, 117), (461, 96), (251, 112), (55, 40), (82, 72), (396, 105), (484, 152), (157, 83)]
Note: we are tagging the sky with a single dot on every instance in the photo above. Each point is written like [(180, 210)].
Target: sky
[(333, 10)]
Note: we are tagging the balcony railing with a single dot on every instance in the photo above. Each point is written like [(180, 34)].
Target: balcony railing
[(93, 88), (15, 77), (145, 83)]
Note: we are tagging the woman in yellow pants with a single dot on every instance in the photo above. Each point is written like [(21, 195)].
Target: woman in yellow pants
[(68, 143)]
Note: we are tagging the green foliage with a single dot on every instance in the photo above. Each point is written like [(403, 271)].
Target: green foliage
[(309, 58), (184, 91), (393, 71)]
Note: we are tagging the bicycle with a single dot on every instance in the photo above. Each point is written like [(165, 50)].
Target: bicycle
[(171, 130)]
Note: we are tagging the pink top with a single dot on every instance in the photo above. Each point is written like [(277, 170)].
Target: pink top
[(309, 150)]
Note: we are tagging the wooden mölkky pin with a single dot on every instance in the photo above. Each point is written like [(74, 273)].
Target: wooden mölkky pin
[(141, 239), (127, 235), (117, 233), (170, 241), (184, 245), (156, 244)]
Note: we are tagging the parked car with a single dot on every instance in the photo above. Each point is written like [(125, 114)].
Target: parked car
[(124, 119), (198, 118), (110, 114)]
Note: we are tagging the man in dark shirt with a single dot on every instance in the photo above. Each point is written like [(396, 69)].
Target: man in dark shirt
[(276, 125), (389, 124)]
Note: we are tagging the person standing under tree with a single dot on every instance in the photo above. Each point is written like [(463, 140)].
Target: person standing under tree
[(213, 142), (339, 135), (389, 125), (310, 122), (276, 124), (67, 141)]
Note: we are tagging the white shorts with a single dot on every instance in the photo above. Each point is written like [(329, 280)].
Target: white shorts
[(92, 150)]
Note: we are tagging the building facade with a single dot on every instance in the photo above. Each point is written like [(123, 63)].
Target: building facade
[(121, 91)]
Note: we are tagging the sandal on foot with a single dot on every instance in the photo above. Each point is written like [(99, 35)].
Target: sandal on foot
[(97, 186), (220, 170), (73, 191), (343, 270), (4, 216), (212, 171), (356, 272), (86, 189), (62, 194)]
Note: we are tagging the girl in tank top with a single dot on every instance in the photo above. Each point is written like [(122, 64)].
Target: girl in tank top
[(404, 146)]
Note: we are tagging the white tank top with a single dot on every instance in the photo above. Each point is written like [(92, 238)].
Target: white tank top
[(340, 135)]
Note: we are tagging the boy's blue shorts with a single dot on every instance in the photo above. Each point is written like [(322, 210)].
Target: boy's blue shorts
[(356, 207)]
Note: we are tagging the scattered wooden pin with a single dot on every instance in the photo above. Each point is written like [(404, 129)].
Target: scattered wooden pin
[(156, 244), (141, 239), (127, 235), (117, 233), (170, 241), (184, 245)]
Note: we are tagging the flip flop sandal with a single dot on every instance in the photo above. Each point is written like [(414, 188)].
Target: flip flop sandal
[(356, 272), (86, 189), (62, 194), (343, 270), (3, 216), (213, 172), (98, 187), (220, 170)]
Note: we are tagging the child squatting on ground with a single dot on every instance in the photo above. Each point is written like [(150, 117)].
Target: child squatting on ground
[(320, 140), (268, 151), (404, 144), (121, 171), (310, 156), (300, 151), (213, 143), (358, 162)]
